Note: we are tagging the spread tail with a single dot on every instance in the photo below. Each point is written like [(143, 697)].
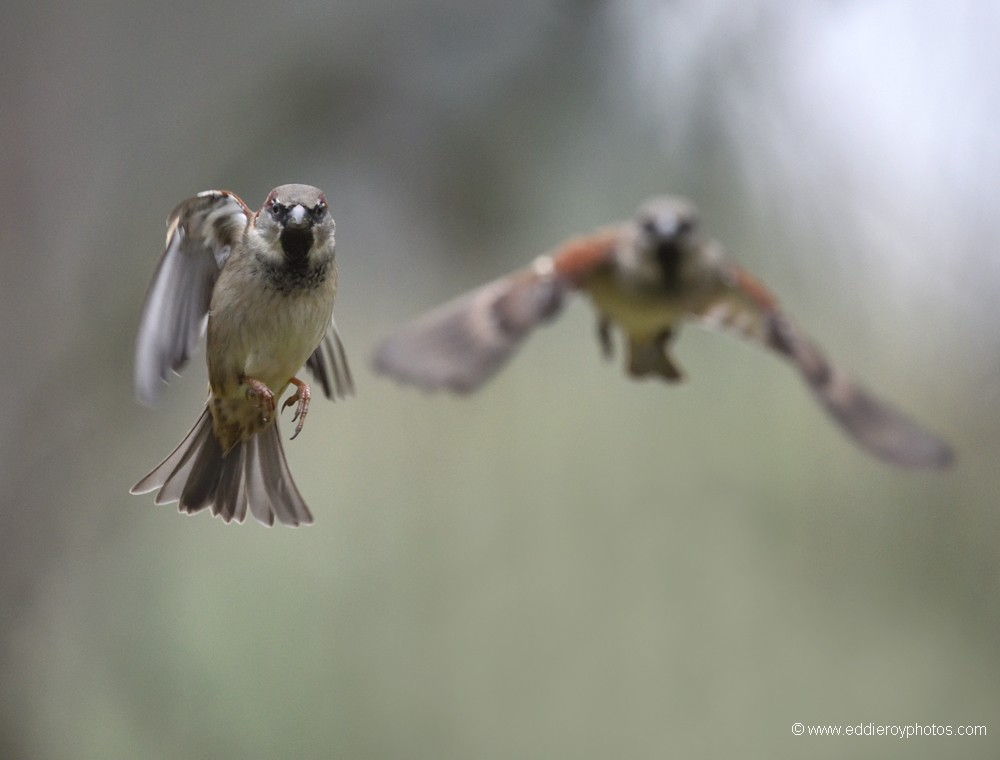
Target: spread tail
[(252, 477)]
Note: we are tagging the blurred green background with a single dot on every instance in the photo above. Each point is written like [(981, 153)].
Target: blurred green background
[(568, 564)]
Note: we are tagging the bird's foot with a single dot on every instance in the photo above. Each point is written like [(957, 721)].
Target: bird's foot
[(301, 396), (261, 396)]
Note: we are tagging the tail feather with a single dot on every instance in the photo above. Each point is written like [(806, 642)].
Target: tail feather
[(230, 496), (253, 477), (272, 492), (203, 480), (652, 357)]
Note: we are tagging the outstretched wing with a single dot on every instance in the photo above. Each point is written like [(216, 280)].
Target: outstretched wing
[(873, 423), (200, 234), (462, 344), (328, 365), (748, 309)]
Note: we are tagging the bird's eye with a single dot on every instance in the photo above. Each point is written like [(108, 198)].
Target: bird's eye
[(278, 209), (318, 210)]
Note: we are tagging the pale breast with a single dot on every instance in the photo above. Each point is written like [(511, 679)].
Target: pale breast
[(645, 312), (259, 332), (638, 314), (286, 337)]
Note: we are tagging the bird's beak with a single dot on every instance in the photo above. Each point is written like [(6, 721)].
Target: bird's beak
[(298, 217), (664, 229)]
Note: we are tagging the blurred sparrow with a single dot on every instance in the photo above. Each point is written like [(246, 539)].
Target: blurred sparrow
[(647, 277), (265, 282)]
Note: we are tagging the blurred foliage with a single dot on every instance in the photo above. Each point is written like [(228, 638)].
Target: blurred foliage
[(568, 564)]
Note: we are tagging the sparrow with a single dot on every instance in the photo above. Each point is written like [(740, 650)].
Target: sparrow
[(264, 284), (647, 277)]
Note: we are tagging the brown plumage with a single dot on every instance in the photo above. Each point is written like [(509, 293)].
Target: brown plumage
[(266, 283), (646, 277)]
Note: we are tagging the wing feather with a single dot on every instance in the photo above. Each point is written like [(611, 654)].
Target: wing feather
[(749, 310), (200, 234), (462, 344), (329, 366), (465, 342)]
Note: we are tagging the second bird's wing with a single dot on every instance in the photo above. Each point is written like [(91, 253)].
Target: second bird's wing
[(465, 342), (462, 344), (749, 310)]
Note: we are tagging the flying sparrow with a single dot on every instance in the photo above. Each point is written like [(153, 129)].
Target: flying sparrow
[(265, 284), (647, 277)]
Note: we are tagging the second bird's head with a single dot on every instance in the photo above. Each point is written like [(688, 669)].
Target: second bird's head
[(652, 249)]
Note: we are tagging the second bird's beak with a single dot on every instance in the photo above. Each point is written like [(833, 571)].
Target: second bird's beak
[(662, 228)]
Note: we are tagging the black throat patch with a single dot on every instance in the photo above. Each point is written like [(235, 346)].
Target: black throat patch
[(294, 273), (296, 244), (669, 255)]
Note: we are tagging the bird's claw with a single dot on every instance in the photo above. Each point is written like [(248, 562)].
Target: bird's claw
[(261, 396), (301, 398)]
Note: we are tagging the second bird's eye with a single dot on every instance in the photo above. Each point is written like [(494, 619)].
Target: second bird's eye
[(279, 209)]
